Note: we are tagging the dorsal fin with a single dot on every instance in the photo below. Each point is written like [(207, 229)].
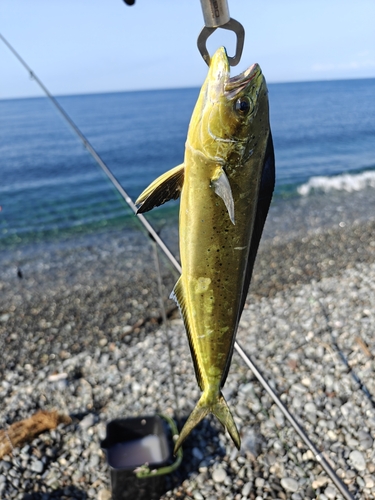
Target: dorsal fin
[(166, 187), (178, 295)]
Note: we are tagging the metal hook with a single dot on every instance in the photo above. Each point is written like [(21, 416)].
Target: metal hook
[(231, 25)]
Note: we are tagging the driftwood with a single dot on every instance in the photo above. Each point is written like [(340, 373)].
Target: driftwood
[(26, 430)]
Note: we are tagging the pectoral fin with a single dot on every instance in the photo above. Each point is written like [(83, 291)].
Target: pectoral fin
[(166, 187), (222, 188)]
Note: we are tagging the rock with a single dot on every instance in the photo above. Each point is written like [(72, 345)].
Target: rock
[(289, 484), (369, 481), (87, 422), (330, 492), (352, 442), (310, 407), (259, 482), (332, 435), (246, 489), (297, 402), (104, 494), (94, 460), (198, 496), (242, 410), (37, 466), (360, 482), (308, 455), (197, 453), (358, 460), (329, 381), (347, 409), (252, 442), (219, 475), (365, 440), (319, 482)]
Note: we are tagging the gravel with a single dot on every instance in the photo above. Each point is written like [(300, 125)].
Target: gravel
[(81, 333)]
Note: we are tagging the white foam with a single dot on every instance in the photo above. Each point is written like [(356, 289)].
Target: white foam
[(344, 182)]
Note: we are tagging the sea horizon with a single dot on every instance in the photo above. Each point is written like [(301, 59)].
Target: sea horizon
[(108, 92)]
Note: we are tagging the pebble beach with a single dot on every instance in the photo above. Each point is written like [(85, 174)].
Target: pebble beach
[(81, 333)]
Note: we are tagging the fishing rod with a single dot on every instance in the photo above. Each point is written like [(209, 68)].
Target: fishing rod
[(318, 455)]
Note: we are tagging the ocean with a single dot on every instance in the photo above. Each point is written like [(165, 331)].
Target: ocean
[(52, 190)]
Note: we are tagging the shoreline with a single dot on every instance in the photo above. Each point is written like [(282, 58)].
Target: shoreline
[(310, 305), (288, 219), (123, 263)]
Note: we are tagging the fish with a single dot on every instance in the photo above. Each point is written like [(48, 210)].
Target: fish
[(225, 185)]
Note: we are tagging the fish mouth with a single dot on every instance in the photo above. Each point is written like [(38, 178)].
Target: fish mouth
[(239, 82)]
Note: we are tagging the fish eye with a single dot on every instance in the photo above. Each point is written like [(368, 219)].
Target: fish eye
[(243, 105)]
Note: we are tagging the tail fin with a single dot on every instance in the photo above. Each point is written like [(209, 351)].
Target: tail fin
[(221, 411)]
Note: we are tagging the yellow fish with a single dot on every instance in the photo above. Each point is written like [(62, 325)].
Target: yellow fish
[(226, 184)]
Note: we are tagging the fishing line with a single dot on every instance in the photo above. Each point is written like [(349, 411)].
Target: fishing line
[(154, 235)]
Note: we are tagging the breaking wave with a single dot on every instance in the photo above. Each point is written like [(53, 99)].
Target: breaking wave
[(343, 182)]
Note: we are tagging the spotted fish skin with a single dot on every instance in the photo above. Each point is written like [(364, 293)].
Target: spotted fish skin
[(226, 184)]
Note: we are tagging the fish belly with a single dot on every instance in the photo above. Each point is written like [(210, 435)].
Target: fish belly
[(214, 254)]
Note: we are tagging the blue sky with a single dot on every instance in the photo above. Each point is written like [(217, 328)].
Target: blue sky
[(83, 46)]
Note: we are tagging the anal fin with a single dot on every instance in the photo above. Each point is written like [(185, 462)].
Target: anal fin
[(178, 295)]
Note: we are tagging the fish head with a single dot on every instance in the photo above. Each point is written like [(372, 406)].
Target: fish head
[(222, 125)]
